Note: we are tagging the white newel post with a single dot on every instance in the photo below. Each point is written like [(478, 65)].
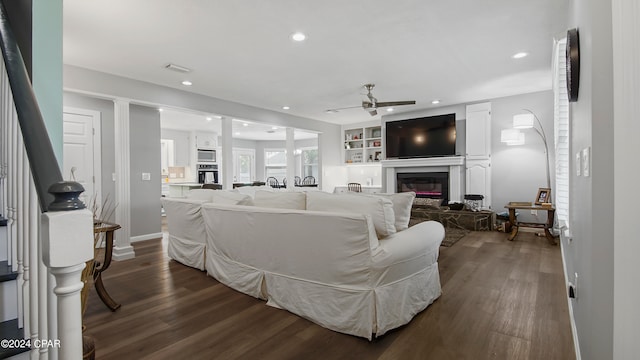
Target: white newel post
[(67, 243)]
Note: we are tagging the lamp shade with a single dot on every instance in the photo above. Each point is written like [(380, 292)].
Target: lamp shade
[(512, 137), (523, 121)]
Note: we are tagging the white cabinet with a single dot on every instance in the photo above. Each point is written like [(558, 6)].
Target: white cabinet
[(478, 151), (362, 144), (478, 144), (207, 141)]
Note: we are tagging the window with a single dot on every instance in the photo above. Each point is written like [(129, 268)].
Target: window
[(561, 132), (275, 163), (309, 160), (244, 166)]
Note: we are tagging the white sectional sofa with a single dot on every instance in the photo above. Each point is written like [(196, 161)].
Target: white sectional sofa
[(342, 263)]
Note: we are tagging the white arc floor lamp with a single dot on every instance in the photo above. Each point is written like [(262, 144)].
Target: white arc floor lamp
[(516, 137)]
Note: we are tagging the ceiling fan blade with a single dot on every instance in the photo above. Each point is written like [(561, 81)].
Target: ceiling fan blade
[(396, 103), (344, 108)]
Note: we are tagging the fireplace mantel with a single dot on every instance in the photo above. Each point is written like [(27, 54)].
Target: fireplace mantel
[(420, 162), (454, 164)]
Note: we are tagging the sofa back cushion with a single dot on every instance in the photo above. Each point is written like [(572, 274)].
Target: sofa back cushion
[(251, 190), (402, 203), (379, 208), (322, 247), (230, 198), (200, 194), (280, 199)]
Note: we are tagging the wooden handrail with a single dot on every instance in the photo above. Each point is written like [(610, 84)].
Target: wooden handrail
[(42, 160)]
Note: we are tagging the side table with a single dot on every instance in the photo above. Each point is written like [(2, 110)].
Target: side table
[(515, 224), (101, 266)]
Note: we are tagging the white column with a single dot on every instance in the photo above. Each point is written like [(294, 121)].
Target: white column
[(67, 244), (291, 158), (122, 249), (227, 153)]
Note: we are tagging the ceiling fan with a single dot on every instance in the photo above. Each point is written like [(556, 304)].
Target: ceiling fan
[(372, 105)]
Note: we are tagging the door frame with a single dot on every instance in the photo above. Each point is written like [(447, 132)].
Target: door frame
[(237, 151), (97, 146)]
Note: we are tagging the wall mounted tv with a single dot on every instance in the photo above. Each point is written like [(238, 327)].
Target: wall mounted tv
[(421, 137)]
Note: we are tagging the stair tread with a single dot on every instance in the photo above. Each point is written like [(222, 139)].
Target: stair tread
[(9, 330), (6, 274)]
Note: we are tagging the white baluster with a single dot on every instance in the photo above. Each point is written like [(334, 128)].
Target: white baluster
[(19, 222), (43, 300), (52, 311), (34, 261), (26, 298)]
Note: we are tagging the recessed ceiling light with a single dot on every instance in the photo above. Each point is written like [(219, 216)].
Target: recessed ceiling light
[(161, 109), (389, 109), (285, 108), (237, 133), (245, 124), (435, 102), (519, 55), (187, 83), (298, 36), (217, 116), (209, 118), (274, 128)]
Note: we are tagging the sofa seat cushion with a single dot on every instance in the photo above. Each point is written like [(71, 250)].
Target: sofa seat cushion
[(280, 199), (379, 208)]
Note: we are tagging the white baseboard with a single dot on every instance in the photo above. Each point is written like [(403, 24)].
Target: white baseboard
[(572, 320), (123, 253), (146, 237)]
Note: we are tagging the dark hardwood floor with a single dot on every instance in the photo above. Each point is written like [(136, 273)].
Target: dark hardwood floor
[(500, 300)]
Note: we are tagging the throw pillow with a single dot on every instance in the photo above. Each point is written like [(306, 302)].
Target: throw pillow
[(402, 203), (380, 209), (230, 198), (280, 199)]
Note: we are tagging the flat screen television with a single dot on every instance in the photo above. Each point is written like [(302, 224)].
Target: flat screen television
[(421, 137)]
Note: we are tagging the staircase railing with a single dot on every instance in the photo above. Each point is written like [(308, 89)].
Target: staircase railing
[(48, 243)]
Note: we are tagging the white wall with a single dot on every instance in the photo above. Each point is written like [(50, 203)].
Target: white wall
[(109, 86), (590, 254), (517, 171), (626, 63)]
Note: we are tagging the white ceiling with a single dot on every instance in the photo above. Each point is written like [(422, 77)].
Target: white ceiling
[(455, 51), (191, 121)]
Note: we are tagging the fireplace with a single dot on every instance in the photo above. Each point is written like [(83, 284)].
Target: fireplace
[(433, 185)]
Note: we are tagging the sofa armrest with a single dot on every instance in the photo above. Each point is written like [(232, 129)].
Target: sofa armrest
[(407, 252)]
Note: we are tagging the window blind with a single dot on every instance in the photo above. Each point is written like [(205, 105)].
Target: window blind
[(561, 131)]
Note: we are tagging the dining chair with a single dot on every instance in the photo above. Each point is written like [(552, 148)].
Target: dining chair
[(355, 187), (273, 182), (297, 180), (308, 180)]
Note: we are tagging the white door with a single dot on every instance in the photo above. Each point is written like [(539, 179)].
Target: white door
[(81, 152)]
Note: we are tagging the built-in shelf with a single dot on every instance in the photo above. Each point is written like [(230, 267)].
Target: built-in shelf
[(362, 145)]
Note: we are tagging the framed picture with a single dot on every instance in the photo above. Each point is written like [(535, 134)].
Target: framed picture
[(543, 196)]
